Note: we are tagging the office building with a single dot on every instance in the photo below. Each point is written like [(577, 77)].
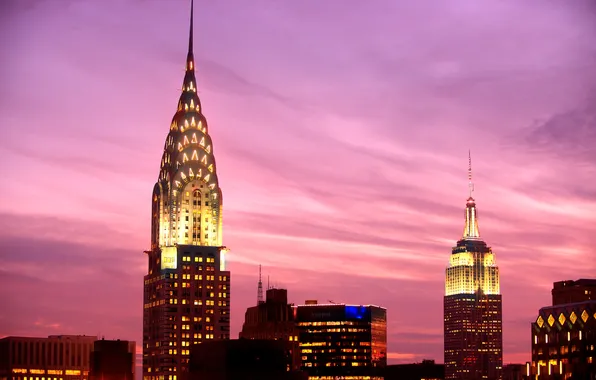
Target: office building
[(472, 305), (427, 370), (342, 341), (112, 360), (187, 287), (242, 359), (574, 291), (57, 357), (273, 318), (564, 338)]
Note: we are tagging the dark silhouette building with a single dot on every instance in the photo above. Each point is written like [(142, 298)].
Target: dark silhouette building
[(427, 370), (564, 337), (472, 306), (112, 360), (342, 341), (273, 319), (516, 371), (573, 291), (187, 287), (242, 359)]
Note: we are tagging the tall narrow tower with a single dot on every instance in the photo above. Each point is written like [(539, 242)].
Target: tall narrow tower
[(187, 287), (472, 305), (260, 299)]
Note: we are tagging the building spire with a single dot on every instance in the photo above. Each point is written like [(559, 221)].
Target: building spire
[(470, 183), (189, 85), (190, 59), (471, 227), (260, 289), (190, 42)]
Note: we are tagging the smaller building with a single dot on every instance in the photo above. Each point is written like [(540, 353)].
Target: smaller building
[(242, 359), (57, 357), (564, 338), (516, 371), (342, 341), (273, 320), (570, 291), (66, 357), (427, 370), (112, 360)]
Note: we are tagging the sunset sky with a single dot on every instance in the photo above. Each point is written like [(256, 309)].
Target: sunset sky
[(341, 132)]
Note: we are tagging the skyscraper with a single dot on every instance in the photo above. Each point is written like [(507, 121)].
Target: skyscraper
[(187, 288), (472, 305)]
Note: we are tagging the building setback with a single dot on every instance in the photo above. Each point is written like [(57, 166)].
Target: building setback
[(472, 306), (187, 287), (342, 341), (564, 338)]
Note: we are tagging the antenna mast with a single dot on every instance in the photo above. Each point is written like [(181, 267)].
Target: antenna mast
[(470, 183), (260, 289)]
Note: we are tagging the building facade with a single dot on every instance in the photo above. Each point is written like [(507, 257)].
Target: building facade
[(574, 291), (113, 360), (472, 306), (342, 341), (273, 319), (564, 339), (57, 357), (187, 287)]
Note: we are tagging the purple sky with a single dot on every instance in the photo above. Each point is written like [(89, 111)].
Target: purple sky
[(341, 131)]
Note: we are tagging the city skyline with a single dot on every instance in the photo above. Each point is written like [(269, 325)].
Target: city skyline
[(321, 166)]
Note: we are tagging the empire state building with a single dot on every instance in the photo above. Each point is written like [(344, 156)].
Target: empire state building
[(187, 287), (472, 305)]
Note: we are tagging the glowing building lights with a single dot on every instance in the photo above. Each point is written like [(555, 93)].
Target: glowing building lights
[(331, 349), (56, 357)]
